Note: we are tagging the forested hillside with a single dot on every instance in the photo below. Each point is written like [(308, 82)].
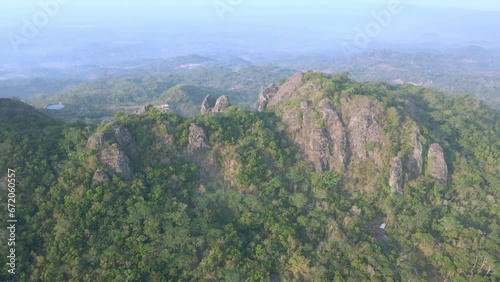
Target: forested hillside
[(296, 191), (183, 88)]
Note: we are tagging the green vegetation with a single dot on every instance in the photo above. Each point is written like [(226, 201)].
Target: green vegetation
[(249, 207), (100, 99)]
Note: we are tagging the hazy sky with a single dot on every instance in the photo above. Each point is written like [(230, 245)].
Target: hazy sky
[(478, 4), (314, 21), (95, 11)]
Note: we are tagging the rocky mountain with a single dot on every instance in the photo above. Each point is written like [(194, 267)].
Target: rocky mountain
[(331, 179), (352, 134)]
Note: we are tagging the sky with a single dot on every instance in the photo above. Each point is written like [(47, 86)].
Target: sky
[(95, 11), (316, 22), (478, 4)]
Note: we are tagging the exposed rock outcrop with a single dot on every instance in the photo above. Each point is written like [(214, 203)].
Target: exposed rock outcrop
[(100, 176), (436, 165), (122, 135), (197, 139), (116, 134), (414, 162), (266, 95), (331, 138), (221, 104), (320, 135), (339, 157), (99, 140), (396, 176), (316, 146), (116, 161), (287, 90), (365, 131), (208, 104)]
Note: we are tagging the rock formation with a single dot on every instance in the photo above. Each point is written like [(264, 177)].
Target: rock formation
[(116, 161), (266, 95), (365, 131), (122, 135), (221, 104), (436, 165), (287, 90), (99, 139), (329, 137), (396, 176), (337, 134), (197, 139), (115, 134), (208, 104), (414, 162), (314, 140)]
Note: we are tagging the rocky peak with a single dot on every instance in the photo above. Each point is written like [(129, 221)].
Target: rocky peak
[(287, 90), (437, 167), (221, 104), (208, 104), (197, 139), (115, 134), (396, 176), (266, 95), (116, 161), (99, 139)]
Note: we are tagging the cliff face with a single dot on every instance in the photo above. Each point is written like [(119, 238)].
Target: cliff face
[(365, 127), (338, 136), (437, 167), (116, 161), (329, 136), (414, 161), (351, 136), (112, 142)]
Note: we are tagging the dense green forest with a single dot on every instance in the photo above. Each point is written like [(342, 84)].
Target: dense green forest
[(237, 196)]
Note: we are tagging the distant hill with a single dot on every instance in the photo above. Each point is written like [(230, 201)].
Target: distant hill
[(14, 113)]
